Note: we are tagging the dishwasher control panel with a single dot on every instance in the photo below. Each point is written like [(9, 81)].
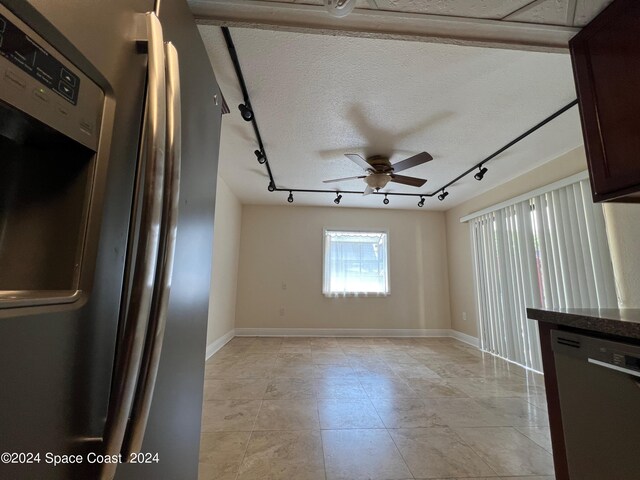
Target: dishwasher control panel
[(597, 351), (627, 361)]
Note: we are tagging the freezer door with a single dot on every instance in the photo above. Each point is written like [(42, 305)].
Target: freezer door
[(56, 362), (173, 428)]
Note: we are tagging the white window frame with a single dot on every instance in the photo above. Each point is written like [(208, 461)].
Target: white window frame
[(356, 294)]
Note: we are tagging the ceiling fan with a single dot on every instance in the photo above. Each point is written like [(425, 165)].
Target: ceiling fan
[(380, 171)]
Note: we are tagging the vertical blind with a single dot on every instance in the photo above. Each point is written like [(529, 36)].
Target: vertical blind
[(549, 251)]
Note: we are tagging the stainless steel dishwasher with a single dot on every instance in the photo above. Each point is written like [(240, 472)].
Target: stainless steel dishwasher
[(599, 387)]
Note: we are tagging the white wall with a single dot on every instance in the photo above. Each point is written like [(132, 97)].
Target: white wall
[(280, 273), (260, 249), (224, 272), (623, 232)]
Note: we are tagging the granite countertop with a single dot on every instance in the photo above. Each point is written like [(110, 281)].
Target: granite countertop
[(624, 322)]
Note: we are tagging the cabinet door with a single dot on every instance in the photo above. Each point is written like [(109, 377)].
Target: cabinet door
[(606, 64)]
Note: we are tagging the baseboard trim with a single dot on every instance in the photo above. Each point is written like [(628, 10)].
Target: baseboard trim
[(463, 337), (219, 343), (353, 332), (339, 332)]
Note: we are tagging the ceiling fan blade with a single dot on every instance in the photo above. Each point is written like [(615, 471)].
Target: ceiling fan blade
[(343, 179), (368, 190), (414, 161), (358, 160), (412, 181)]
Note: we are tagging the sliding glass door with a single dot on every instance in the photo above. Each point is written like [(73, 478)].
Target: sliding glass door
[(549, 251)]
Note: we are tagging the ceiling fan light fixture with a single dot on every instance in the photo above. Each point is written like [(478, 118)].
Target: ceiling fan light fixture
[(290, 197), (260, 156), (421, 202), (480, 175), (377, 180), (246, 112), (337, 199), (339, 8)]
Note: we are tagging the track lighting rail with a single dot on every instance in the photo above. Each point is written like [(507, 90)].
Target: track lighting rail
[(247, 101), (441, 192), (507, 146)]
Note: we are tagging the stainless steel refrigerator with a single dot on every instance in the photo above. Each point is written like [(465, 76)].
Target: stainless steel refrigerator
[(109, 132)]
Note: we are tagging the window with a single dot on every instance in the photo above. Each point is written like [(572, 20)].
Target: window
[(355, 263)]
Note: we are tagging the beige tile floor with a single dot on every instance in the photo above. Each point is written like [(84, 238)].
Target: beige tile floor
[(370, 408)]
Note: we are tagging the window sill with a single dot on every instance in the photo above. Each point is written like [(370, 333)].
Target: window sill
[(355, 294)]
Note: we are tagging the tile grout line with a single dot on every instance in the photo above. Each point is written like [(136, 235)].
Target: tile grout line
[(473, 449), (314, 379), (400, 452), (246, 448), (324, 462)]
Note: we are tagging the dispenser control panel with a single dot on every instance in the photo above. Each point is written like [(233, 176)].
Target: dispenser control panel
[(24, 52), (41, 82)]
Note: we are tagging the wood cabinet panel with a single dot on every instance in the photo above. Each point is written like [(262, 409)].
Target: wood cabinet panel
[(606, 63), (553, 402)]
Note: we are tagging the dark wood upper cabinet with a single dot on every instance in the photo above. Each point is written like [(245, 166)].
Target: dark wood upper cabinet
[(606, 66)]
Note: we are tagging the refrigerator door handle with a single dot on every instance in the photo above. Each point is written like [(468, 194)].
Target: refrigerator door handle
[(158, 319), (131, 345)]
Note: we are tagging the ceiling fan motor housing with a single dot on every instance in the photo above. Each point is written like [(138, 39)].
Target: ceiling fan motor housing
[(380, 164)]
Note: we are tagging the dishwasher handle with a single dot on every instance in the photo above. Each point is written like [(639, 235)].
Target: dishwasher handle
[(614, 367)]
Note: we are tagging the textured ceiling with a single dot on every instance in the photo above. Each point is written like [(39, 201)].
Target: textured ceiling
[(317, 97), (549, 12), (494, 9)]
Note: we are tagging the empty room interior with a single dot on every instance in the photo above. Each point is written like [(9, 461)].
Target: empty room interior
[(385, 335), (320, 239)]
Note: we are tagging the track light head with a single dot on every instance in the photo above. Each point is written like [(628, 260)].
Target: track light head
[(271, 187), (480, 175), (421, 202), (443, 195), (337, 199), (386, 200), (260, 156), (246, 112), (290, 197)]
